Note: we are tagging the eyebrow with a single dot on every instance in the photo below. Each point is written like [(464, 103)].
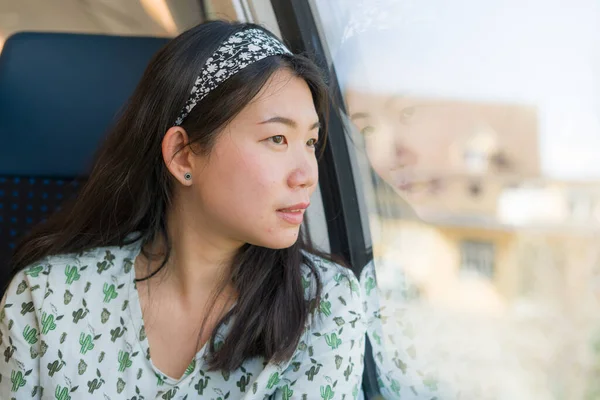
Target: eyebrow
[(289, 122), (360, 115)]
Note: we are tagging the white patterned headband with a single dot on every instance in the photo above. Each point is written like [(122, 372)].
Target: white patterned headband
[(237, 52)]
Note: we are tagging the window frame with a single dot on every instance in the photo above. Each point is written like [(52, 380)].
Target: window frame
[(342, 201)]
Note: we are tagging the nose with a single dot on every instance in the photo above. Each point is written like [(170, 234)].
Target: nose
[(400, 149), (404, 155), (305, 172)]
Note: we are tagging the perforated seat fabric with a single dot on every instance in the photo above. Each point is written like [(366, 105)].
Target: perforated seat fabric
[(23, 202), (59, 94)]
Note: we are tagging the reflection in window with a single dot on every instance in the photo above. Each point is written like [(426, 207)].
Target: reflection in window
[(510, 140)]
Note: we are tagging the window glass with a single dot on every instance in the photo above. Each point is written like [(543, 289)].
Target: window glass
[(480, 126)]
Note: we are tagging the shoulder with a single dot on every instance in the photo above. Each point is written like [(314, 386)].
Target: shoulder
[(334, 278), (336, 330), (67, 273), (340, 301)]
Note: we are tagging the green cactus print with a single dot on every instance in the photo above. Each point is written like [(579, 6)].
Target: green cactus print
[(47, 323), (86, 343), (325, 308), (313, 371), (202, 384), (102, 266), (286, 393), (398, 369), (109, 293), (273, 380), (348, 371), (377, 338), (54, 367), (72, 274), (242, 383), (124, 361), (333, 341), (27, 308), (111, 358), (61, 393), (395, 387), (94, 385), (30, 334), (106, 263), (326, 392), (191, 367), (370, 285), (16, 377), (170, 395), (116, 333), (355, 392), (34, 272), (338, 278), (79, 315)]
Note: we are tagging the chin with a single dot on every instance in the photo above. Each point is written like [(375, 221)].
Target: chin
[(282, 240)]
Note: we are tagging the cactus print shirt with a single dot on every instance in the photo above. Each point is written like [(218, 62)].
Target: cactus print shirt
[(71, 327), (401, 373)]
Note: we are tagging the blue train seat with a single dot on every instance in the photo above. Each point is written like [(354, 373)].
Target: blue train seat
[(59, 93)]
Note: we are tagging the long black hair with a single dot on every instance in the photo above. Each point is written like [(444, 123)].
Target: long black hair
[(130, 190)]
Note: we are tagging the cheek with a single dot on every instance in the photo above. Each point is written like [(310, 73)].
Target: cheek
[(252, 182), (380, 150)]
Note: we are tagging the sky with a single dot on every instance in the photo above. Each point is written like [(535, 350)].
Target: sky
[(540, 52)]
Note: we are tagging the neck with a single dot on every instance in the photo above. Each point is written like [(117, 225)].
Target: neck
[(199, 260)]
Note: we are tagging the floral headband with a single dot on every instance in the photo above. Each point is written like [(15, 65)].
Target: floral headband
[(237, 52)]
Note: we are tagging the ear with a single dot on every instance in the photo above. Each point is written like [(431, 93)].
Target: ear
[(177, 155)]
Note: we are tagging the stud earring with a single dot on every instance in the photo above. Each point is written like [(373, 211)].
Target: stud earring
[(187, 176)]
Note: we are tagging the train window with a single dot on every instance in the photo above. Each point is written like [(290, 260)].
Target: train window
[(479, 126)]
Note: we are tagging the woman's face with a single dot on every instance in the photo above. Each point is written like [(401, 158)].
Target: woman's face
[(430, 151), (258, 179), (404, 140)]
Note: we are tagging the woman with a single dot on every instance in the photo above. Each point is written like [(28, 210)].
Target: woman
[(180, 270)]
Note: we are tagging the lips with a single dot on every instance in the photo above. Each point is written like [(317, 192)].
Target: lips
[(295, 208), (408, 183), (293, 214)]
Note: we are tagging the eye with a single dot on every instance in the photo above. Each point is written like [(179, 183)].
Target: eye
[(277, 139), (312, 142), (367, 130), (406, 114)]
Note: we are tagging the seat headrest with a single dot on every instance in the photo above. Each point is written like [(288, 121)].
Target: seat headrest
[(59, 93)]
